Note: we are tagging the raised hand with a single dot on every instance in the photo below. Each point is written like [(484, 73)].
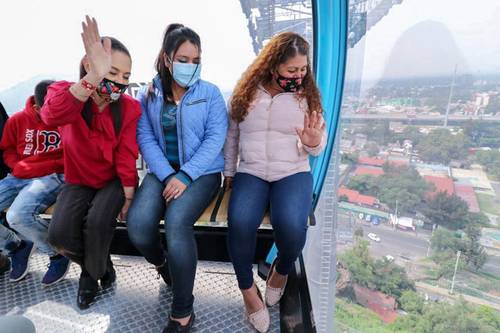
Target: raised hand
[(98, 53), (314, 126)]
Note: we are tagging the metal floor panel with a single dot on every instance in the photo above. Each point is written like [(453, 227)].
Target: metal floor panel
[(139, 302)]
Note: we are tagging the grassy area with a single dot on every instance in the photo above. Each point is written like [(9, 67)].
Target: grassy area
[(352, 317), (487, 204)]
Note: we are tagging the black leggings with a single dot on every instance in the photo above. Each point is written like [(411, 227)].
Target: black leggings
[(83, 224)]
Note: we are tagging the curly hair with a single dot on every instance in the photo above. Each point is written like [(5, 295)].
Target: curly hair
[(277, 51)]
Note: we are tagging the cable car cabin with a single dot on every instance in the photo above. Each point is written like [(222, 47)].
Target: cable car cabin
[(215, 286), (139, 302)]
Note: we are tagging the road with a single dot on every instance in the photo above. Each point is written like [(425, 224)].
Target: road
[(492, 265), (396, 242), (405, 245)]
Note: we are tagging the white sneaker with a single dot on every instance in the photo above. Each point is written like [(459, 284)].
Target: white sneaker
[(260, 320), (273, 295)]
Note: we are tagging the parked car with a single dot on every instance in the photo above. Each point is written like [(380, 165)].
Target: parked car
[(373, 237), (388, 257)]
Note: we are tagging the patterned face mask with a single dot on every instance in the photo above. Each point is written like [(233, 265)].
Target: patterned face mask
[(289, 84), (111, 89)]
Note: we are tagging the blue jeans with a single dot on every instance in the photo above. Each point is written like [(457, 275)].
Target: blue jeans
[(26, 199), (144, 216), (289, 200)]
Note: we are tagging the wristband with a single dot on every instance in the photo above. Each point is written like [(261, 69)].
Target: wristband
[(129, 199), (87, 85)]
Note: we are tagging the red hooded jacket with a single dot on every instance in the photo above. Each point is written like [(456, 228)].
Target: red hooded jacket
[(93, 156), (30, 148)]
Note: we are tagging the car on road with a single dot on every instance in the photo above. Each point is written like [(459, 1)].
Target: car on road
[(373, 237), (388, 257)]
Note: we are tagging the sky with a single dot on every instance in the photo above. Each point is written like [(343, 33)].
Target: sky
[(473, 24), (43, 37)]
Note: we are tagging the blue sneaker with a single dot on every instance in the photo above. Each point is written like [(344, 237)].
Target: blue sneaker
[(20, 258), (58, 268)]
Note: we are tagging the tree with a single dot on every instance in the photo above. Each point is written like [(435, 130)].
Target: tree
[(365, 184), (379, 132), (391, 279), (411, 133), (490, 159), (411, 302), (475, 255), (349, 158), (477, 219), (382, 275), (401, 184), (372, 149), (446, 318), (482, 133), (446, 210), (446, 243), (441, 146), (358, 233), (359, 263)]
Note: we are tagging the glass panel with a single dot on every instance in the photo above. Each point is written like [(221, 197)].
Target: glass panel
[(50, 45), (418, 195)]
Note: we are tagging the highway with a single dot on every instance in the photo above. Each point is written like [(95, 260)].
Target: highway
[(406, 245)]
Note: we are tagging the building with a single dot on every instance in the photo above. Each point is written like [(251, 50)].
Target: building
[(441, 184), (383, 305), (371, 161), (438, 170), (356, 198), (467, 194), (475, 177), (368, 170)]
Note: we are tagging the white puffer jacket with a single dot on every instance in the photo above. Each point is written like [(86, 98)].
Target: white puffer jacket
[(266, 142)]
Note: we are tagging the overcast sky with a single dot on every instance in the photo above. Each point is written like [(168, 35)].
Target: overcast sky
[(475, 26), (42, 37)]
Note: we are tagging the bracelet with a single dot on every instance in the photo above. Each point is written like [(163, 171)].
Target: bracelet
[(87, 85), (129, 198)]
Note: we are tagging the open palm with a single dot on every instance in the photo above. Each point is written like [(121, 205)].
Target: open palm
[(314, 127), (98, 53)]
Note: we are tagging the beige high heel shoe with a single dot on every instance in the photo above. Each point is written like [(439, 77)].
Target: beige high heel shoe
[(260, 320), (273, 295)]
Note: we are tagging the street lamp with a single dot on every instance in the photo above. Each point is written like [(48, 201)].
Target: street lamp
[(455, 273)]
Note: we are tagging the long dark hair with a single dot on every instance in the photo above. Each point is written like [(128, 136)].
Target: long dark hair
[(175, 35), (115, 107), (41, 91)]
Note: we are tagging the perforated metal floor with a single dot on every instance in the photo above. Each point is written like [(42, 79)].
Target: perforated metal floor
[(139, 302)]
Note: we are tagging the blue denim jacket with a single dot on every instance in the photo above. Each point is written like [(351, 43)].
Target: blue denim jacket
[(201, 128)]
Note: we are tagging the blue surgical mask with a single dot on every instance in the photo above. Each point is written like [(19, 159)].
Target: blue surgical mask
[(186, 74)]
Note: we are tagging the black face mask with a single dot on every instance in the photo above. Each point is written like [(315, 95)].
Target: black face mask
[(289, 84), (111, 89)]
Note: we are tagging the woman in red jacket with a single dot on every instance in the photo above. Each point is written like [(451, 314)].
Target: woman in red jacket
[(98, 128)]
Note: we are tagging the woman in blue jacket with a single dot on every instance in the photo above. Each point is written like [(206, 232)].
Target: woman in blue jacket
[(181, 134)]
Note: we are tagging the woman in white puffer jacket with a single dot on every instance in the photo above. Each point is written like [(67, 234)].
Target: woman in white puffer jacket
[(275, 124)]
